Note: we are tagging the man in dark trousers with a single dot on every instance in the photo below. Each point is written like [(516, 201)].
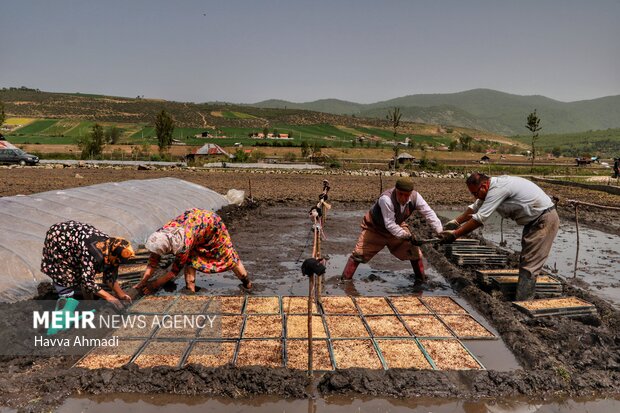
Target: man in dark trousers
[(384, 225), (522, 201)]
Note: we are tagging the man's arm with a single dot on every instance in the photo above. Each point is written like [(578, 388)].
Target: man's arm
[(428, 213), (387, 210)]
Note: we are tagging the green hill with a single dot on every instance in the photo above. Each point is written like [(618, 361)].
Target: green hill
[(485, 109)]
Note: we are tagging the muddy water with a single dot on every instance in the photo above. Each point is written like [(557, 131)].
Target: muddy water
[(599, 253), (173, 404)]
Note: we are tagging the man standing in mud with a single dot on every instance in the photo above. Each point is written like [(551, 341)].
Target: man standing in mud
[(522, 201), (384, 225)]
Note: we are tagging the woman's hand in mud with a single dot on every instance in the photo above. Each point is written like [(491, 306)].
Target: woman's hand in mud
[(125, 297), (116, 303)]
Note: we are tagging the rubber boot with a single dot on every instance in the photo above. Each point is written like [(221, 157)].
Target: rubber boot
[(350, 268), (65, 305), (526, 289), (418, 271)]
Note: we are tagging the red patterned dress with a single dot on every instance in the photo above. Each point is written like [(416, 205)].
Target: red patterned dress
[(208, 247)]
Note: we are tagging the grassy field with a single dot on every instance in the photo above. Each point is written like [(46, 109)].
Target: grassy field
[(590, 143)]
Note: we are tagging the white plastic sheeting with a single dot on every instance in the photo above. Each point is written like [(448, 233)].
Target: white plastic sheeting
[(130, 209)]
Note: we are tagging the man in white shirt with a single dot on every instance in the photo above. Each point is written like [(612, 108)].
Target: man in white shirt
[(384, 225), (522, 201)]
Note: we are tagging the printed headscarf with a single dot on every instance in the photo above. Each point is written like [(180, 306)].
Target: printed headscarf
[(166, 241), (115, 251)]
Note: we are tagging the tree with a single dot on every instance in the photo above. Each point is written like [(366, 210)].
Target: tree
[(396, 150), (112, 135), (465, 141), (93, 143), (452, 145), (393, 116), (305, 149), (2, 114), (533, 125), (164, 127)]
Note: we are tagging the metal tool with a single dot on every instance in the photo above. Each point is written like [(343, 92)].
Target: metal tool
[(420, 242)]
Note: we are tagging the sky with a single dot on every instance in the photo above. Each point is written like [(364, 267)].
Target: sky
[(356, 50)]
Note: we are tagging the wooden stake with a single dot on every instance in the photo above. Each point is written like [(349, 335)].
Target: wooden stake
[(577, 250), (380, 184), (250, 185), (310, 302)]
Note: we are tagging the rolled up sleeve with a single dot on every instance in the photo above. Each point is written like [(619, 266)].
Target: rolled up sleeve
[(428, 213)]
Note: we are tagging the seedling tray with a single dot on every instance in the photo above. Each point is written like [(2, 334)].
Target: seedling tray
[(469, 249), (356, 353), (142, 328), (373, 306), (338, 305), (212, 353), (268, 353), (297, 355), (135, 268), (152, 304), (263, 326), (161, 353), (409, 305), (450, 354), (466, 241), (479, 259), (297, 305), (224, 327), (569, 306), (386, 326), (346, 326), (297, 326), (189, 304), (443, 305), (262, 305), (226, 305), (403, 354), (466, 327), (110, 357), (426, 326)]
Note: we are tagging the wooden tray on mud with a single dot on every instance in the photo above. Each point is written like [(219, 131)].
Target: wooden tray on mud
[(297, 305), (479, 259), (466, 327), (110, 357), (189, 304), (338, 305), (345, 326), (266, 353), (262, 305), (212, 353), (263, 326), (152, 304), (224, 326), (566, 306), (450, 355), (443, 305), (403, 354), (297, 355), (386, 326), (297, 326), (409, 305), (426, 326), (221, 304), (374, 305), (355, 353), (162, 353)]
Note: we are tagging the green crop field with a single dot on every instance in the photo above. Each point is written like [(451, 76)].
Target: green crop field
[(600, 142), (35, 127)]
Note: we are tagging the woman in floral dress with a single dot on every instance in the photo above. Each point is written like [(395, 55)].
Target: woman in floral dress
[(199, 241), (73, 254)]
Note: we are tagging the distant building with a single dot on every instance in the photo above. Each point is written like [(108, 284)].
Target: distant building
[(209, 151), (203, 135)]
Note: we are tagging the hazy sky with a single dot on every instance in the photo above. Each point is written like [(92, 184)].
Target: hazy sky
[(358, 50)]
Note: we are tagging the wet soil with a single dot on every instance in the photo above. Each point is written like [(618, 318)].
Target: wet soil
[(557, 356)]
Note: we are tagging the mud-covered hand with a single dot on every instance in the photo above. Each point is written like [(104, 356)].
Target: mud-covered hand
[(447, 237), (451, 225)]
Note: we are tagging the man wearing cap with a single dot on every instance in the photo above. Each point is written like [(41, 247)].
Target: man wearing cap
[(384, 225), (522, 201)]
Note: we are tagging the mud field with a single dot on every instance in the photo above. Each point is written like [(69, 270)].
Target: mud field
[(536, 358)]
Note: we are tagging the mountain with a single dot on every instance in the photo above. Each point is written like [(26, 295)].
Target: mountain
[(484, 109)]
